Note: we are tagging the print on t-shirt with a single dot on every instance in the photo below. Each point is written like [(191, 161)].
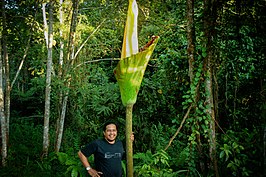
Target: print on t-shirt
[(109, 155)]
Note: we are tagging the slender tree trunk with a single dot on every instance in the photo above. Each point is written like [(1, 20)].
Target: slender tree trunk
[(48, 82), (129, 146), (4, 99), (2, 114), (21, 63), (60, 125), (73, 27), (45, 26), (70, 57), (7, 93), (61, 54), (6, 72), (210, 14), (210, 111), (191, 38), (60, 120)]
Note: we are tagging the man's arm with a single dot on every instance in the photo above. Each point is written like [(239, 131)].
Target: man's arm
[(86, 164), (83, 159)]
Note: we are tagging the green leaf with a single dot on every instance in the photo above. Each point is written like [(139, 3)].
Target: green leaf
[(197, 74), (221, 154), (70, 162), (62, 157), (229, 165), (189, 100), (74, 172)]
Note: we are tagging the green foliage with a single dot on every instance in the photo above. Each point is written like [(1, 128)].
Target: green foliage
[(27, 97), (155, 165), (96, 99), (191, 95), (235, 154), (25, 131), (24, 152), (74, 166)]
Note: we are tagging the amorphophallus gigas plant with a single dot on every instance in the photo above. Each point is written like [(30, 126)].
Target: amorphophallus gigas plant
[(129, 72)]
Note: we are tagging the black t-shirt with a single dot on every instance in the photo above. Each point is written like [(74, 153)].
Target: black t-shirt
[(107, 157)]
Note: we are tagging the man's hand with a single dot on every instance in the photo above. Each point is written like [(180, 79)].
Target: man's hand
[(132, 136), (94, 173)]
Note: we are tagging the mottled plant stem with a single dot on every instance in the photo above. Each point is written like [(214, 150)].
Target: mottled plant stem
[(129, 147)]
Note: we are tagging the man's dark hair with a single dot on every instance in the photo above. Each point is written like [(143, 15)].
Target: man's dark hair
[(108, 123)]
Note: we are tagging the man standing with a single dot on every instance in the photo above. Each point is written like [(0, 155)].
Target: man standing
[(108, 153)]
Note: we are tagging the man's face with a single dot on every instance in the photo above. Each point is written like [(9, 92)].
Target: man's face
[(110, 133)]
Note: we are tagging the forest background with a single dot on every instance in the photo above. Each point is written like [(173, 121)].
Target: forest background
[(201, 107)]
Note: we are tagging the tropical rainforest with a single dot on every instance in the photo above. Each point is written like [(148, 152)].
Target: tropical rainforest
[(201, 107)]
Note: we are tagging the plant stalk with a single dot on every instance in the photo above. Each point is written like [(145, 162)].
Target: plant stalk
[(129, 147)]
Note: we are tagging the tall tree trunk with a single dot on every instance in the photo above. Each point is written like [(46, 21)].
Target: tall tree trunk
[(191, 38), (129, 147), (191, 61), (2, 115), (48, 82), (45, 26), (60, 120), (7, 92), (61, 55), (210, 14), (4, 99), (6, 73), (60, 125), (72, 34), (210, 111), (22, 62), (71, 58)]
